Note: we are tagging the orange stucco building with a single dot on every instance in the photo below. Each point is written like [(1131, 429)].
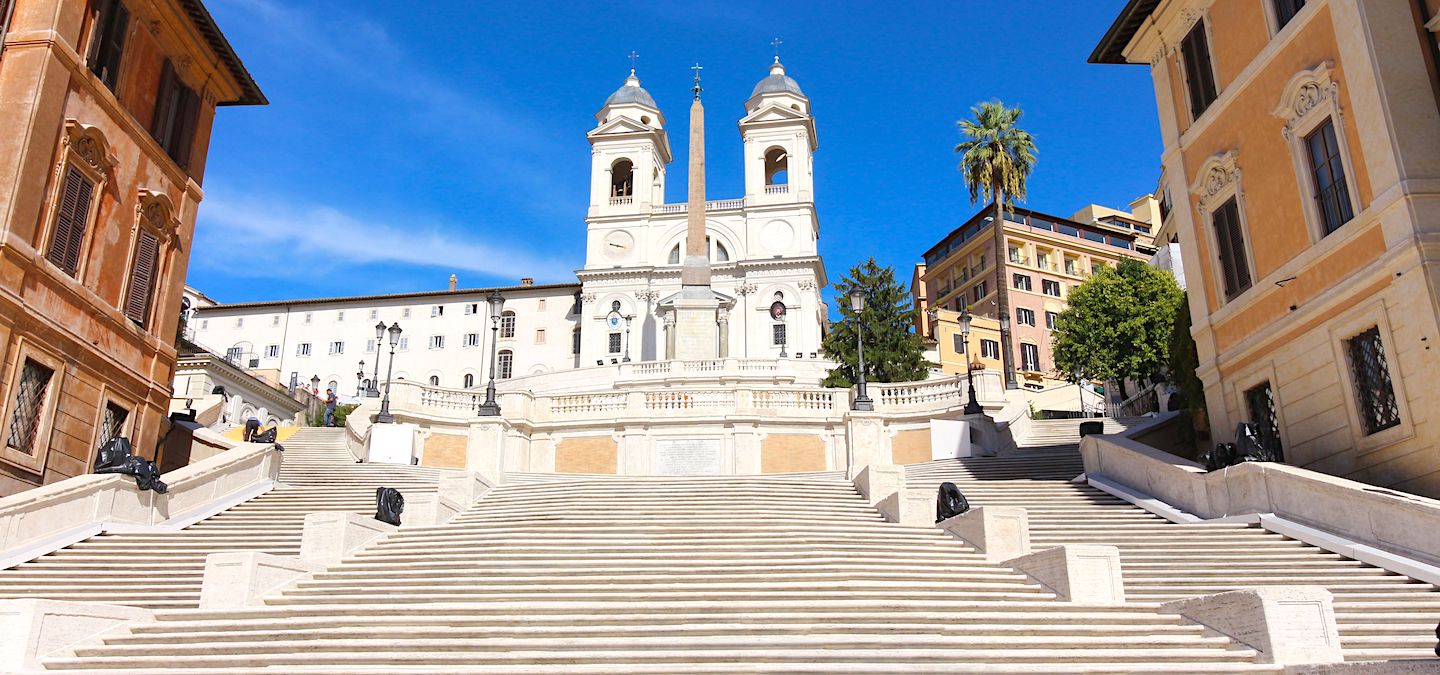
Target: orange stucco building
[(106, 109), (1302, 148)]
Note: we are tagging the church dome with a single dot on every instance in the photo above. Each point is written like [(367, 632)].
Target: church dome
[(777, 83), (631, 92)]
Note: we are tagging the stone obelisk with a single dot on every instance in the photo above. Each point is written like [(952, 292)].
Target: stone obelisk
[(696, 328)]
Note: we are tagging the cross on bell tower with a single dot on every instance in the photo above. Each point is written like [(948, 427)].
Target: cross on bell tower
[(776, 44)]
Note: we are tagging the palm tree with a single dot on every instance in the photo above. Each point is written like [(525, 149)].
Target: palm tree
[(995, 160)]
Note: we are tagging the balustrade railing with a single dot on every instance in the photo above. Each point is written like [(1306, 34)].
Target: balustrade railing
[(621, 201), (588, 403), (712, 205), (777, 189)]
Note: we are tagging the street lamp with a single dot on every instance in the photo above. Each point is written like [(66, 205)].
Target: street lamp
[(373, 391), (862, 399), (628, 317), (497, 305), (972, 407), (315, 384), (360, 379), (384, 416), (1080, 389)]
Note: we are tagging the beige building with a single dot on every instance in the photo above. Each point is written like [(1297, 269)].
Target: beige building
[(106, 107), (1302, 161), (1048, 256)]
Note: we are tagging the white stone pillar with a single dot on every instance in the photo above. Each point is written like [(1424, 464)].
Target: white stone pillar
[(330, 536), (1085, 574), (1000, 532), (235, 579), (1287, 625)]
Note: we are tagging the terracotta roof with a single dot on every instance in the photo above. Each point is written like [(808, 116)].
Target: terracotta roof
[(250, 93), (389, 296), (1112, 46)]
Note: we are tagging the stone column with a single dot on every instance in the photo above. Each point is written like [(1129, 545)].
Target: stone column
[(722, 317)]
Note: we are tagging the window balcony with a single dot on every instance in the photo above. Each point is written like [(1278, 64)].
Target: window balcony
[(621, 201), (781, 189)]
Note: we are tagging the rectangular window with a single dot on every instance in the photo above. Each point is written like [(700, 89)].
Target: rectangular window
[(405, 313), (539, 336), (1199, 75), (234, 354), (507, 325), (1260, 404), (777, 334), (1050, 320), (337, 347), (1016, 255), (239, 322), (505, 364), (275, 320), (309, 316), (1025, 316), (302, 349), (176, 110), (1050, 287), (614, 345), (272, 351), (374, 313), (204, 323), (108, 46), (31, 396), (404, 343), (959, 343), (340, 316), (142, 278), (1029, 357), (990, 349), (72, 218), (979, 291), (1042, 260), (575, 341), (472, 308), (370, 346), (470, 340), (437, 310), (540, 305), (437, 341), (1327, 169), (1231, 242), (112, 424), (1374, 392), (1072, 267), (1285, 10), (1022, 281)]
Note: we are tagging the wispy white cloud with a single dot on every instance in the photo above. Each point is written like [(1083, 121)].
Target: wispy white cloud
[(319, 239)]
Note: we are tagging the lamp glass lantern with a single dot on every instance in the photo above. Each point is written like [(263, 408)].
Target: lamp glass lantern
[(394, 331), (857, 300), (496, 302)]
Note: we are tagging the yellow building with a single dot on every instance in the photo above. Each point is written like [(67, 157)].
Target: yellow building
[(1047, 257), (106, 109), (1302, 159)]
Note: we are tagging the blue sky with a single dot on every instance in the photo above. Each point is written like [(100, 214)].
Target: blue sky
[(405, 142)]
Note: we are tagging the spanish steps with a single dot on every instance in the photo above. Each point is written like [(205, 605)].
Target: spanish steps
[(780, 573)]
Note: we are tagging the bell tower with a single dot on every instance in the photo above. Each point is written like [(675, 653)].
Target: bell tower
[(629, 151), (780, 142)]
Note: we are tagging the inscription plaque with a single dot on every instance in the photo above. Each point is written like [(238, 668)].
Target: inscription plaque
[(687, 457)]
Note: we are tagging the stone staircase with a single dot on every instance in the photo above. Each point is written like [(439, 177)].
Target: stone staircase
[(1381, 615), (664, 575), (164, 569), (1065, 432)]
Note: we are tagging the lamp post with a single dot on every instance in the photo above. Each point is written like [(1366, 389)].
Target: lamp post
[(360, 379), (315, 384), (1080, 389), (373, 391), (972, 407), (490, 408), (384, 416), (628, 318), (862, 399)]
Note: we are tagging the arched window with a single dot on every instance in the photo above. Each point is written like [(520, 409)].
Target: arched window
[(332, 385), (469, 380), (722, 254), (507, 324), (718, 252), (675, 255), (622, 178), (505, 364), (777, 161), (434, 380)]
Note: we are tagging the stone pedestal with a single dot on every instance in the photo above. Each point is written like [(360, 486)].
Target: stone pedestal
[(391, 444), (1000, 532), (696, 332), (1085, 574), (35, 629), (1285, 624), (878, 481), (993, 439), (908, 508), (464, 490), (330, 536), (866, 435), (236, 579), (485, 446), (428, 509)]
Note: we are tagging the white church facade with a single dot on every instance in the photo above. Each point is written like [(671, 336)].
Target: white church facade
[(762, 246)]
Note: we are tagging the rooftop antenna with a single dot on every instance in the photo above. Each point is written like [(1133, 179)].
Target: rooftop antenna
[(697, 68), (776, 44), (632, 56)]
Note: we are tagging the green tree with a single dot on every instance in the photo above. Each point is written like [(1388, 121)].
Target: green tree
[(893, 352), (996, 159), (1119, 323)]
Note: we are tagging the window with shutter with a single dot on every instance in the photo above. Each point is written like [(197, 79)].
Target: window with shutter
[(70, 221), (1199, 75), (176, 110), (108, 45), (1231, 244), (142, 278)]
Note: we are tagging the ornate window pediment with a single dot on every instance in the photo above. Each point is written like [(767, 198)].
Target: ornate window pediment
[(1307, 94), (157, 212), (89, 144), (1218, 177)]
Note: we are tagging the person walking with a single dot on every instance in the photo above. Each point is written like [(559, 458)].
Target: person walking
[(330, 403), (252, 427)]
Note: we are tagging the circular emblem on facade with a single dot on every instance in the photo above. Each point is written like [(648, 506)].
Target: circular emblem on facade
[(613, 319), (777, 310)]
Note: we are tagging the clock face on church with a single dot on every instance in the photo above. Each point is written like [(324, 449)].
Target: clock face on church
[(618, 245)]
